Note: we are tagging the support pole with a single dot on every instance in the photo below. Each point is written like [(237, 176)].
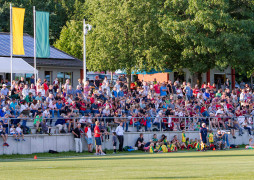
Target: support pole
[(35, 75), (84, 50), (11, 41)]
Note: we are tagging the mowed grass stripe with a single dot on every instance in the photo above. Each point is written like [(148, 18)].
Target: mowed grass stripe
[(188, 165)]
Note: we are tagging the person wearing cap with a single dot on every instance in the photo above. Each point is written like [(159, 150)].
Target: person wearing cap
[(203, 134), (4, 90)]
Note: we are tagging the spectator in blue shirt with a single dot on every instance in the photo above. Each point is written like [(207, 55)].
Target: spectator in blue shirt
[(114, 92), (59, 107), (163, 90), (70, 91), (13, 106), (78, 91), (203, 134), (120, 93), (60, 123), (188, 91)]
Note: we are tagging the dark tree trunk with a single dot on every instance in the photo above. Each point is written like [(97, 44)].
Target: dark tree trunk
[(196, 79), (128, 78)]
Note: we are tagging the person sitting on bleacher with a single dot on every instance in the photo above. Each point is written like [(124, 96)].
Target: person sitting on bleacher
[(60, 124)]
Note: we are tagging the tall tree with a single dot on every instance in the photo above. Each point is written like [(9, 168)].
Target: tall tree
[(126, 35), (211, 33), (71, 39)]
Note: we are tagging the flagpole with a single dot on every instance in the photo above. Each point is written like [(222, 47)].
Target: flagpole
[(11, 42), (35, 75)]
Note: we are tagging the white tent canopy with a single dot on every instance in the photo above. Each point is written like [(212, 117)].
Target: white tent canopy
[(18, 66)]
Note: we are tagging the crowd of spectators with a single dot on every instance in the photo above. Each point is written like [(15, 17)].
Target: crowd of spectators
[(155, 105)]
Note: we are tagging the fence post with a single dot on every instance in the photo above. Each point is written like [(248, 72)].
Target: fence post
[(8, 126), (160, 124), (133, 122), (185, 123), (209, 120)]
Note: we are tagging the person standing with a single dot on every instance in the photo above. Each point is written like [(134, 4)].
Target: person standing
[(97, 135), (203, 134), (119, 133), (78, 143), (88, 137)]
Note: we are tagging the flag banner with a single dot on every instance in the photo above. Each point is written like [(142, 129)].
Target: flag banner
[(17, 30), (42, 34)]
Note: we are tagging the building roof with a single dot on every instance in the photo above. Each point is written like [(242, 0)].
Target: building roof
[(55, 62), (57, 57)]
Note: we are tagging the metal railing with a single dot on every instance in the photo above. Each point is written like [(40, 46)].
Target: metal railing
[(162, 123)]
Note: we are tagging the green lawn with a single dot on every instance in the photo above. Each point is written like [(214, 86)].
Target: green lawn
[(231, 164)]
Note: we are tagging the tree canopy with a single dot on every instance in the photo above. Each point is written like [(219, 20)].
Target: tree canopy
[(126, 35), (211, 33)]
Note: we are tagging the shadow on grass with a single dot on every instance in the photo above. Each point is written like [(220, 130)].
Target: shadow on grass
[(112, 158), (177, 177)]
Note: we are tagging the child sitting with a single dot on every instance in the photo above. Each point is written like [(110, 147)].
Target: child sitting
[(251, 145), (151, 149), (195, 142), (157, 147), (189, 143), (198, 145), (19, 132), (13, 132), (45, 128), (172, 147)]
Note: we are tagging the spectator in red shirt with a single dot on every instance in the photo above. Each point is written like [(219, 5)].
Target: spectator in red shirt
[(97, 135), (196, 90), (45, 85), (157, 89)]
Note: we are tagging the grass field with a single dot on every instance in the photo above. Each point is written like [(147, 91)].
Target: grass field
[(231, 164)]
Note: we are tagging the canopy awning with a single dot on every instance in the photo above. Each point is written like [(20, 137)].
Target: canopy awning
[(18, 66), (152, 71)]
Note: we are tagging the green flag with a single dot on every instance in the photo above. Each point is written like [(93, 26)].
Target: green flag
[(42, 34)]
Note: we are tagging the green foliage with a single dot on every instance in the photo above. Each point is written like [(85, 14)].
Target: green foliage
[(126, 35), (71, 39), (60, 12), (211, 33)]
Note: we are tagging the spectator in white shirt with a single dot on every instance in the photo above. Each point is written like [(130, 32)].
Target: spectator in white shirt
[(119, 133), (19, 132), (25, 91), (88, 137), (32, 90), (46, 115)]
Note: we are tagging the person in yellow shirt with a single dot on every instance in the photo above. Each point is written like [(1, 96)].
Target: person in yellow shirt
[(183, 137), (183, 144), (210, 138), (171, 147), (198, 145), (151, 150)]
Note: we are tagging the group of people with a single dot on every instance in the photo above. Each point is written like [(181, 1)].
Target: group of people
[(207, 141), (148, 106), (98, 134)]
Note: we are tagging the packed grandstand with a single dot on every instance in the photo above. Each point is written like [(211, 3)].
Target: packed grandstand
[(146, 106)]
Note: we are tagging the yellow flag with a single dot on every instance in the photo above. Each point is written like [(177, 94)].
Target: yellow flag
[(17, 30)]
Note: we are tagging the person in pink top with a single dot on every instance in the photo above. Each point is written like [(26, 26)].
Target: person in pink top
[(157, 89)]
